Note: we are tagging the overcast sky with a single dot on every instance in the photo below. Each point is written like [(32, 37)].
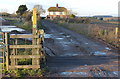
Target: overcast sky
[(82, 7)]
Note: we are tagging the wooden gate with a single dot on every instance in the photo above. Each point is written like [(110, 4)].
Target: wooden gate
[(12, 55), (13, 52)]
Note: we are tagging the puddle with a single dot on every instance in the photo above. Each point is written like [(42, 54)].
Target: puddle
[(7, 26), (115, 72), (61, 33), (67, 36), (84, 68), (65, 44), (59, 38), (73, 73), (85, 65), (47, 35), (107, 48), (10, 28), (1, 39), (99, 53), (1, 46), (70, 54), (86, 43)]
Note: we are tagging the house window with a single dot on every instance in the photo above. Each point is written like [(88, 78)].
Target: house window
[(54, 13), (61, 13)]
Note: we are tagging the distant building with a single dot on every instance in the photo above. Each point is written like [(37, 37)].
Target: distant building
[(57, 12), (105, 17)]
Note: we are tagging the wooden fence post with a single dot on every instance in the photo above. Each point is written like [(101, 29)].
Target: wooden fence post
[(7, 50), (119, 38)]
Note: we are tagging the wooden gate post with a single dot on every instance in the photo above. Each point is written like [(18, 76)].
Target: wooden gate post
[(7, 50), (34, 32)]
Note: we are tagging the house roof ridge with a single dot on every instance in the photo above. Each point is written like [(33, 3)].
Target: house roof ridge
[(60, 9)]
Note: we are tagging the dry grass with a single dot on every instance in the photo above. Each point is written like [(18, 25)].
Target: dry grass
[(104, 32)]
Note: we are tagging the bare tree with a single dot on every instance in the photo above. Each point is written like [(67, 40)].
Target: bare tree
[(40, 10), (70, 12)]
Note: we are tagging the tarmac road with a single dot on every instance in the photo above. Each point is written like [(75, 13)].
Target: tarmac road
[(73, 55)]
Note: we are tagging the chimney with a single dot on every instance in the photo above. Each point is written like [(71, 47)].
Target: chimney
[(56, 5)]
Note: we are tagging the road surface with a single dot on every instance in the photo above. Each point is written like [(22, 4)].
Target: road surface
[(73, 55)]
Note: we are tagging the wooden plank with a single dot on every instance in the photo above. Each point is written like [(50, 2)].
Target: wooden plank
[(1, 32), (2, 43), (25, 46), (24, 66), (24, 36), (24, 56), (1, 57)]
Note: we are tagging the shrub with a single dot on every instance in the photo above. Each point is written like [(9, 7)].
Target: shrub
[(73, 20), (72, 16)]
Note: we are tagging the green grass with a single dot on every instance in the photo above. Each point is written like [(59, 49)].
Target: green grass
[(25, 62), (24, 73), (24, 25)]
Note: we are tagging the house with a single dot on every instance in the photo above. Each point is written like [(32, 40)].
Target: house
[(57, 12)]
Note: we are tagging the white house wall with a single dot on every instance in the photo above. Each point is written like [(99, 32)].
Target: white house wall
[(56, 13)]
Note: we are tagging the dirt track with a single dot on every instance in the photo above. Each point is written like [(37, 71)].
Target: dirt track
[(74, 55)]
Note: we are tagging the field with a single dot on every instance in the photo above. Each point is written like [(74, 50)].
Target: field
[(106, 32)]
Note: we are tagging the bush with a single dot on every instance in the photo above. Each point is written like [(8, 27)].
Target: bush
[(73, 20), (27, 25), (72, 16)]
